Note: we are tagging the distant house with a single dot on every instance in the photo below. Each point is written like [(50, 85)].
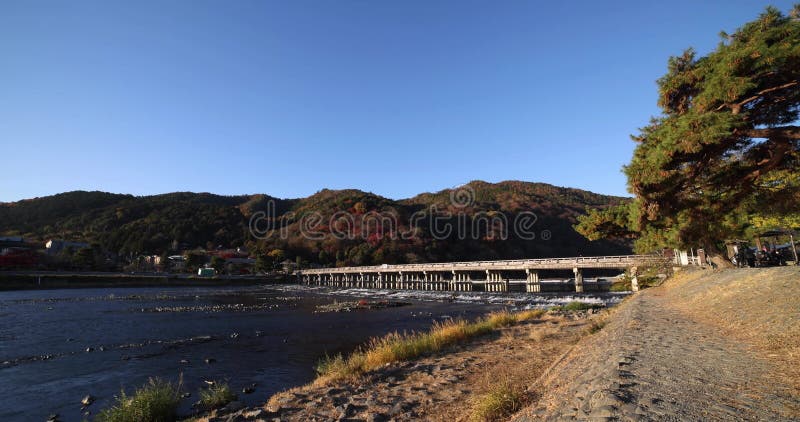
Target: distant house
[(288, 265), (240, 265), (17, 258), (12, 241), (54, 247), (175, 263)]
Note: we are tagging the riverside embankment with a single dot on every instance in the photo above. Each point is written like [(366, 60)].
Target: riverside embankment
[(706, 345)]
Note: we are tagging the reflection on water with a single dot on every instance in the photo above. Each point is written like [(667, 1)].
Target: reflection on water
[(56, 346)]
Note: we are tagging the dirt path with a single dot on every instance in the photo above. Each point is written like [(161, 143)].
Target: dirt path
[(655, 361)]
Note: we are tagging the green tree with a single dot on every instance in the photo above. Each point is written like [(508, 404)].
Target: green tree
[(164, 262), (277, 255), (218, 264), (706, 166), (264, 263), (323, 258), (194, 260), (84, 258)]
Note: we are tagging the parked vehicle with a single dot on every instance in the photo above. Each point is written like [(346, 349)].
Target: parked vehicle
[(771, 258)]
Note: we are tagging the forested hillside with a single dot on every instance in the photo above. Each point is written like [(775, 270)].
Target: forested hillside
[(344, 227)]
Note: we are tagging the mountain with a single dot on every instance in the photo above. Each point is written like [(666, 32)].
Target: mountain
[(479, 220)]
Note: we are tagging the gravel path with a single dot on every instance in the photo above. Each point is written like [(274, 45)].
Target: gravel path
[(654, 362)]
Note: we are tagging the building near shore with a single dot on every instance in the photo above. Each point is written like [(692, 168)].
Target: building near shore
[(54, 247)]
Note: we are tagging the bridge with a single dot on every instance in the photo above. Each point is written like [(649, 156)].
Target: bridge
[(491, 276)]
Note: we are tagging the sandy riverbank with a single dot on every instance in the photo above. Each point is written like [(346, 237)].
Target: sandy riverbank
[(450, 385), (705, 345)]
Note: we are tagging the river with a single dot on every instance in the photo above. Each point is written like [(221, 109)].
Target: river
[(57, 346)]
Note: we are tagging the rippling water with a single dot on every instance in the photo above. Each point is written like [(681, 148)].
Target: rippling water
[(56, 346)]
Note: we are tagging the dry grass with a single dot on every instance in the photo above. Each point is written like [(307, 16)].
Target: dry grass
[(758, 306), (543, 334), (396, 347), (502, 400)]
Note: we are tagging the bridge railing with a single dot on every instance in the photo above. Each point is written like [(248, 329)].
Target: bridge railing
[(515, 264)]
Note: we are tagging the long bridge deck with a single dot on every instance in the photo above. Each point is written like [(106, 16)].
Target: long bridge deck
[(458, 276)]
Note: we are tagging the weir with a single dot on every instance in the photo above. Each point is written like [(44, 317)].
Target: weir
[(490, 276)]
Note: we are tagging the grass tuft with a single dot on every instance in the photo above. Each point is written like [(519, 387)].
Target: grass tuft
[(596, 325), (501, 401), (530, 314), (216, 396), (577, 305), (157, 401)]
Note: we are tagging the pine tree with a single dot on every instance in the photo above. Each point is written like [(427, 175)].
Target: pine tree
[(724, 147)]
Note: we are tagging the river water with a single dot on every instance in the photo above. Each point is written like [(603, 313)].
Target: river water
[(56, 346)]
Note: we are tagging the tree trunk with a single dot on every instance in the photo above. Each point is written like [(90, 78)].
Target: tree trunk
[(716, 256)]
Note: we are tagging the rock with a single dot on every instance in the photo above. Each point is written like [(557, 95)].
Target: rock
[(376, 417), (603, 412), (397, 409), (344, 410), (86, 401), (233, 406), (258, 414)]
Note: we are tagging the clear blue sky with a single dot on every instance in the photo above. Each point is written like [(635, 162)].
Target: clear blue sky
[(290, 97)]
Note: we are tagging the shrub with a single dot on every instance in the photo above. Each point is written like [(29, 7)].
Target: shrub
[(155, 402), (621, 286), (216, 396)]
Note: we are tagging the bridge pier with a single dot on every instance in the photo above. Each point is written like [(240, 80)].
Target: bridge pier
[(495, 282), (462, 281), (532, 284), (578, 280)]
